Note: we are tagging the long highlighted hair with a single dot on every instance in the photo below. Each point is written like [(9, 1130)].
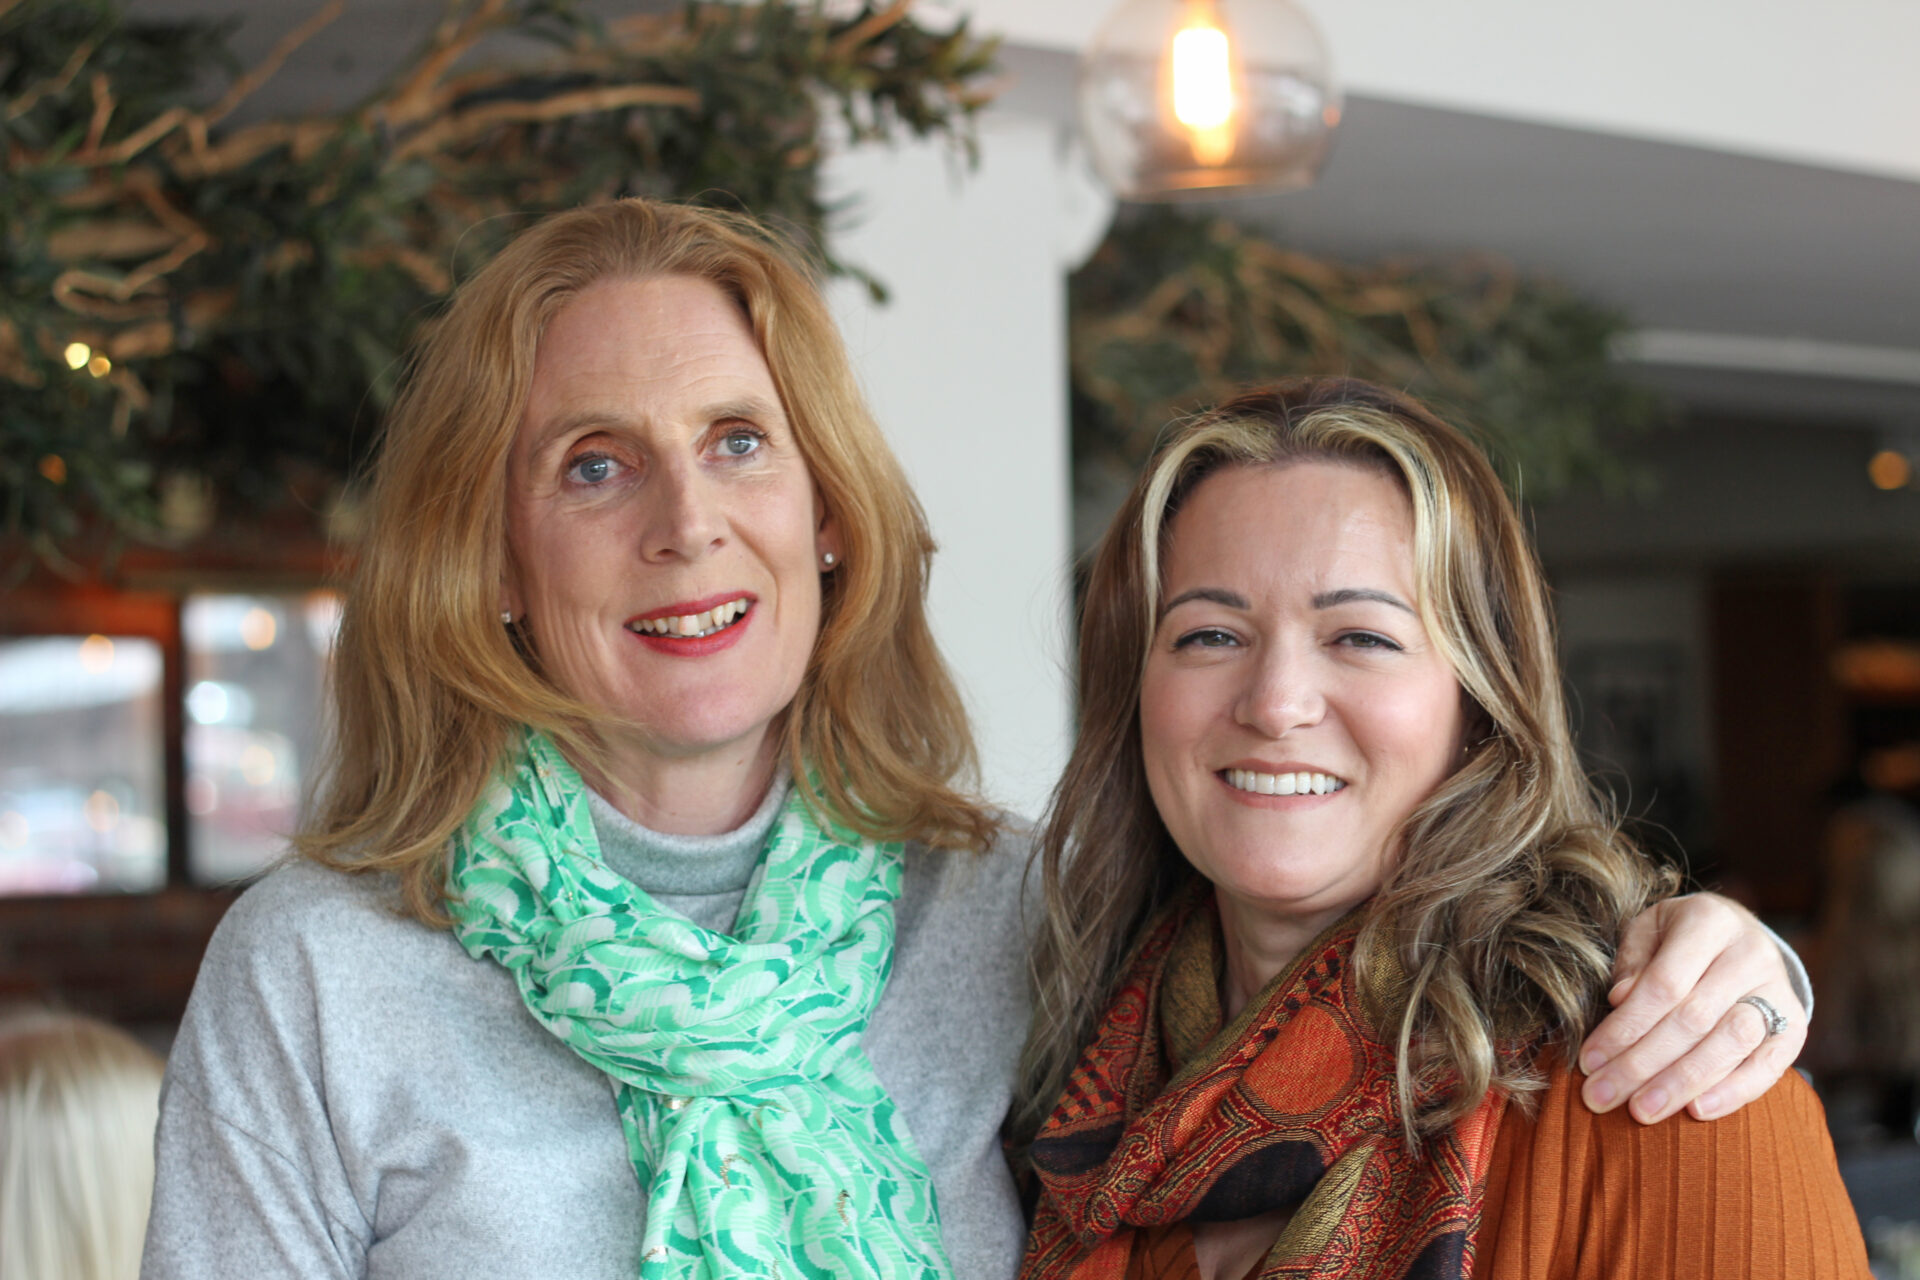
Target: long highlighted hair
[(428, 685), (1512, 881)]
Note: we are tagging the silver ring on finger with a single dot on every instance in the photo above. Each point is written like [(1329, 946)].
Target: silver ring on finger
[(1776, 1020)]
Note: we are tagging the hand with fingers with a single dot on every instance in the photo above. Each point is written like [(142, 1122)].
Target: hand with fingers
[(1701, 992)]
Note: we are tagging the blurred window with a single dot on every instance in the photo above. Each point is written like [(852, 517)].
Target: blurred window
[(82, 764), (256, 666)]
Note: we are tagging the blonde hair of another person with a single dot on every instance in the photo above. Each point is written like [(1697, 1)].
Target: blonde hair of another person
[(428, 685), (1512, 881), (78, 1103)]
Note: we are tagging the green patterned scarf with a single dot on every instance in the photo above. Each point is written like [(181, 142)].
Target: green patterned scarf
[(767, 1145)]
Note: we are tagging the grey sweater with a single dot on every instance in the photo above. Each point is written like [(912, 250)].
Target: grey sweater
[(352, 1095)]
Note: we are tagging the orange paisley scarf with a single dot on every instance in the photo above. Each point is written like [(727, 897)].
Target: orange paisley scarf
[(1171, 1117)]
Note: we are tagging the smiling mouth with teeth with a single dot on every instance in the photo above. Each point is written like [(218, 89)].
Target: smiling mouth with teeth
[(1282, 784), (693, 626)]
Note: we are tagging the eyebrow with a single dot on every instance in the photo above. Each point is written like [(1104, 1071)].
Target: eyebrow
[(1355, 595), (1217, 595), (600, 420), (1325, 600), (749, 407)]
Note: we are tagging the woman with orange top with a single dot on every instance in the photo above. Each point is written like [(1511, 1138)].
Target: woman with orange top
[(1341, 903)]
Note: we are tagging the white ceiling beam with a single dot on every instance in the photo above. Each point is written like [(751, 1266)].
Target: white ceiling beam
[(1784, 357)]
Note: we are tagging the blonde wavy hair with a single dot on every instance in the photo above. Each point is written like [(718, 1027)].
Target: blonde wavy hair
[(78, 1104), (1512, 882), (427, 683)]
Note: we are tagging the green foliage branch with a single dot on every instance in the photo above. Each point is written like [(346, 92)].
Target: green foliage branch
[(1174, 313), (244, 293)]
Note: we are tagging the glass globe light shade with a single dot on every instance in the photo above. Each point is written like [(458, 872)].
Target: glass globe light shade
[(1193, 97)]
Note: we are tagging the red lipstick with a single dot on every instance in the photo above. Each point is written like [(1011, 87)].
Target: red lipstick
[(696, 646), (680, 608)]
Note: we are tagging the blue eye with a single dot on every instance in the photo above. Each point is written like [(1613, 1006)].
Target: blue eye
[(741, 443), (592, 469)]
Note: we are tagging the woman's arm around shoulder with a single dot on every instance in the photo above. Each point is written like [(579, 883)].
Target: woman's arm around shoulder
[(1754, 1195)]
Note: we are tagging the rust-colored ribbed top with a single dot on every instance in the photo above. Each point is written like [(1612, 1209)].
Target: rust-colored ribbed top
[(1751, 1196)]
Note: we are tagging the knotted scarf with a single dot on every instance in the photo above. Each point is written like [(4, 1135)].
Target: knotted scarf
[(1171, 1118), (767, 1146)]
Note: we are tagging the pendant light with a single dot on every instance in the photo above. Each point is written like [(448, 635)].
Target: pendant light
[(1194, 97)]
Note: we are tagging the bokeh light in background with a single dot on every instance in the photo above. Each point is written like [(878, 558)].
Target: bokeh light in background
[(1890, 469), (82, 765), (256, 671)]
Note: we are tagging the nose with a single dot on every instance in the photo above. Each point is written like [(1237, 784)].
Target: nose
[(1282, 693), (683, 518)]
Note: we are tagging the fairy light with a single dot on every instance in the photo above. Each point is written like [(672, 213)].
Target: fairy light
[(77, 354)]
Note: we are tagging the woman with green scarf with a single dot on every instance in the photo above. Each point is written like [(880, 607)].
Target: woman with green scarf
[(645, 925)]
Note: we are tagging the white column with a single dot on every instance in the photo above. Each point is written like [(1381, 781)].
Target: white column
[(966, 369)]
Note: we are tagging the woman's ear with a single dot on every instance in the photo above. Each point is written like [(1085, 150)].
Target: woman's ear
[(1476, 726), (827, 548), (511, 600)]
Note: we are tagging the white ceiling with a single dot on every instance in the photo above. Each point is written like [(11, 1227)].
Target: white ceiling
[(1685, 237), (1685, 240)]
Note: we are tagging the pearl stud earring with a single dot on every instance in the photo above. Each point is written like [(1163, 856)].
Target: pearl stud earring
[(828, 560)]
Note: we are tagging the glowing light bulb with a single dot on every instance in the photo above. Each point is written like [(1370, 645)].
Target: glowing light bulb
[(1180, 97), (1203, 85), (77, 354)]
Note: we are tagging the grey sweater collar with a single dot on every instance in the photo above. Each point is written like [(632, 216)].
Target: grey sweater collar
[(662, 863)]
